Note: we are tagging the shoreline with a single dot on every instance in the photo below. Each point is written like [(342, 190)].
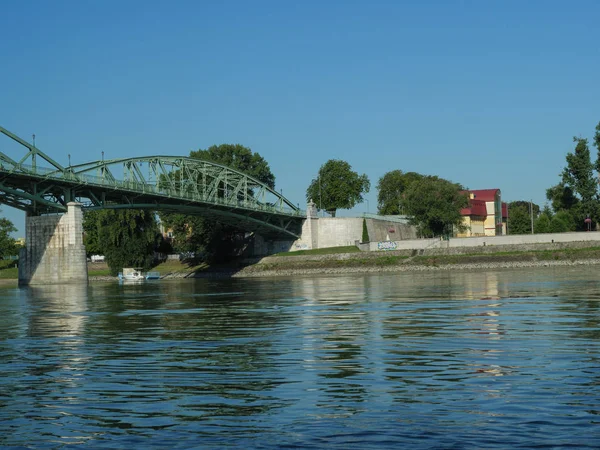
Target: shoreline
[(417, 268), (298, 270)]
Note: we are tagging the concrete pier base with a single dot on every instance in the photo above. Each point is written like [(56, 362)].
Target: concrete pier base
[(54, 252)]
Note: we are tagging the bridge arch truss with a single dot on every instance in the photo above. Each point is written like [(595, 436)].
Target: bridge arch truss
[(39, 185)]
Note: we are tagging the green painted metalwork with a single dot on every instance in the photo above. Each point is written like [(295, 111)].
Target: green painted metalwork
[(171, 183)]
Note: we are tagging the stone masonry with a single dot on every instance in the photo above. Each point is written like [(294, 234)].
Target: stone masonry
[(54, 252)]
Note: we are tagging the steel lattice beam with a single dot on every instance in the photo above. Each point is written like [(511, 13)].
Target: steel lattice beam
[(153, 182)]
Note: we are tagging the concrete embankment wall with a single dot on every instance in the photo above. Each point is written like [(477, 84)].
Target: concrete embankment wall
[(491, 244), (323, 232), (558, 244)]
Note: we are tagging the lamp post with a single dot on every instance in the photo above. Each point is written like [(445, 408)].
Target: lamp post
[(320, 199), (531, 214)]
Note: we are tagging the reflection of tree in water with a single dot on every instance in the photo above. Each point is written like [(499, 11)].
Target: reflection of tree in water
[(337, 326), (209, 343), (429, 324), (579, 310)]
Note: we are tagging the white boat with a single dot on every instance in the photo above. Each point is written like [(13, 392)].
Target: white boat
[(134, 274)]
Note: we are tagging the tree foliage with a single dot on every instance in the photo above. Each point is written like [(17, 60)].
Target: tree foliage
[(126, 237), (434, 205), (577, 192), (579, 172), (390, 190), (562, 222), (8, 246), (91, 237), (238, 157), (216, 241), (519, 220), (337, 186), (520, 213), (561, 197), (542, 223), (365, 232)]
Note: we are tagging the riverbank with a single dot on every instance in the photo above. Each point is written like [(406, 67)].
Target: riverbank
[(359, 263), (373, 262)]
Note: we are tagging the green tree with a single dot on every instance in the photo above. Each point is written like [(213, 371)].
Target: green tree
[(519, 220), (519, 216), (578, 177), (128, 237), (337, 186), (8, 246), (93, 246), (562, 222), (390, 189), (216, 241), (365, 232), (542, 223), (562, 197), (434, 205), (238, 157)]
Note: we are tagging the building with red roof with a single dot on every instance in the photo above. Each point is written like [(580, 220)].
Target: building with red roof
[(486, 215)]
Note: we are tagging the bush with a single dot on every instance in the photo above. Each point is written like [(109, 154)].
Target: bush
[(365, 232)]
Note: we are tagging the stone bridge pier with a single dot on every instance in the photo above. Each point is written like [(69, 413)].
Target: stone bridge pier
[(54, 252)]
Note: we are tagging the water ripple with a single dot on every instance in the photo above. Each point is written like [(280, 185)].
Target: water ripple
[(488, 360)]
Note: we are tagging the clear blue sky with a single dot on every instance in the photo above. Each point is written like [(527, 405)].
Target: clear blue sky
[(485, 93)]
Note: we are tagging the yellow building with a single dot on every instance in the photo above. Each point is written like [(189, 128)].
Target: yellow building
[(486, 215)]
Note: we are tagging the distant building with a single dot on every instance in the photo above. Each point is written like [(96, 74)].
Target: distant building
[(486, 215)]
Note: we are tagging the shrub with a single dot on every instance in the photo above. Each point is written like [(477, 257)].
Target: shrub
[(365, 232)]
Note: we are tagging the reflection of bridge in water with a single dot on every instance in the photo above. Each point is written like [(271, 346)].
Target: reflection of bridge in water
[(38, 185)]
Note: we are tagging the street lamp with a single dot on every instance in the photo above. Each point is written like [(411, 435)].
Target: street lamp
[(531, 214), (320, 199)]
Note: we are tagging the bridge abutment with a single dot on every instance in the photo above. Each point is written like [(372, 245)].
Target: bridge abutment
[(54, 252)]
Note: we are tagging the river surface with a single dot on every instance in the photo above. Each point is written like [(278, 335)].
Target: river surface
[(433, 360)]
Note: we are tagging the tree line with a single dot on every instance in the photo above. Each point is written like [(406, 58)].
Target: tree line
[(573, 203)]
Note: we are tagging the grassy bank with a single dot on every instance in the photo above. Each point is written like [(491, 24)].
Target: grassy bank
[(390, 260), (8, 270), (321, 251)]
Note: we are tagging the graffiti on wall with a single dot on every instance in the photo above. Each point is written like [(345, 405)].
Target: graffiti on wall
[(387, 245)]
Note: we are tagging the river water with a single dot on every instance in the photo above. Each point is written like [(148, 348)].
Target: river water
[(497, 359)]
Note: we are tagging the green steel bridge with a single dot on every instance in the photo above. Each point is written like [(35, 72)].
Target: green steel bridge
[(39, 185)]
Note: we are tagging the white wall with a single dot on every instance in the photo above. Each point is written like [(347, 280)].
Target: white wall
[(339, 231), (480, 241)]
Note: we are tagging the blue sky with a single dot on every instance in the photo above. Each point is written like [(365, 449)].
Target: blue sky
[(485, 93)]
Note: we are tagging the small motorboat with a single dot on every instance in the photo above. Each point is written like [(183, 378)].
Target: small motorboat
[(131, 274)]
